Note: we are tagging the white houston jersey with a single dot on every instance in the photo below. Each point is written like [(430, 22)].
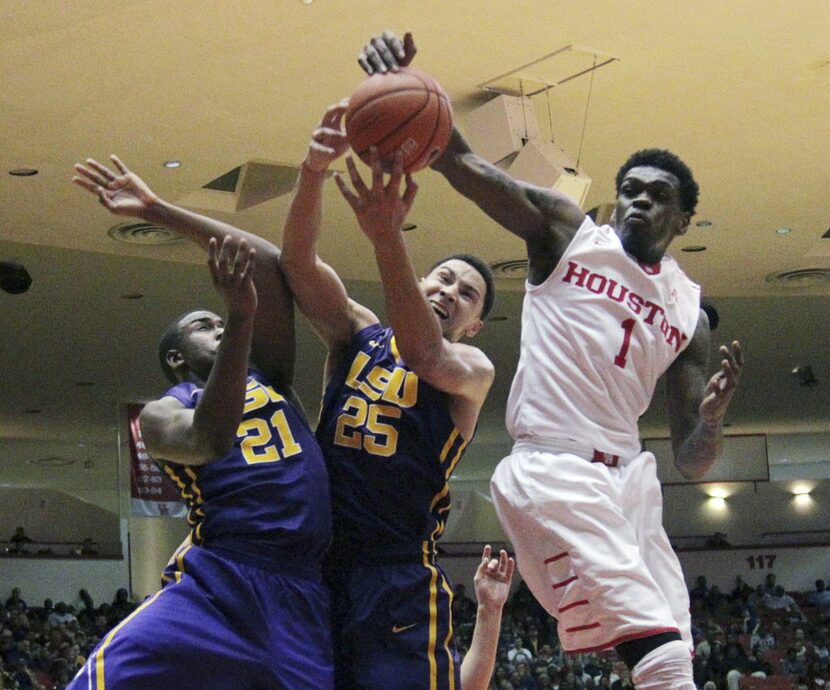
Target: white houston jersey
[(596, 336)]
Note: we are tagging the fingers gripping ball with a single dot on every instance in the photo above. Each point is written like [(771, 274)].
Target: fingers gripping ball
[(405, 110)]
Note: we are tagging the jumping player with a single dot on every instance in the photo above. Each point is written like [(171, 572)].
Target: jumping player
[(607, 312), (400, 406), (243, 605)]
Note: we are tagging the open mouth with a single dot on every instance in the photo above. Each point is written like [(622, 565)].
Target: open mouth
[(440, 311)]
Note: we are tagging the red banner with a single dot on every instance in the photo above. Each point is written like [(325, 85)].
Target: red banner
[(153, 493)]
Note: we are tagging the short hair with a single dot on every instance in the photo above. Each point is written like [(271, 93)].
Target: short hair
[(484, 271), (171, 339), (669, 162)]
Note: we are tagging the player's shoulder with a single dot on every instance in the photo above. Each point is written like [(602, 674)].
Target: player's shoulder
[(481, 368)]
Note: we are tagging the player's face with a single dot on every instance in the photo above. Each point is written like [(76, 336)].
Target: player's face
[(649, 215), (201, 334), (455, 291)]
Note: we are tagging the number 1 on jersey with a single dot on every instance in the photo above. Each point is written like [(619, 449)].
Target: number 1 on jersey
[(628, 329)]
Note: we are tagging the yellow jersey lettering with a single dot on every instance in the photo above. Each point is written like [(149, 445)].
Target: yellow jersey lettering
[(255, 397), (402, 389), (379, 430), (376, 381), (258, 441), (360, 362)]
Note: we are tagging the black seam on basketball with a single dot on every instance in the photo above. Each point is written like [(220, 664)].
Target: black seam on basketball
[(402, 124), (385, 94), (437, 116), (434, 127)]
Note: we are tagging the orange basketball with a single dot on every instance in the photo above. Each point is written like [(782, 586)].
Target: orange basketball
[(405, 110)]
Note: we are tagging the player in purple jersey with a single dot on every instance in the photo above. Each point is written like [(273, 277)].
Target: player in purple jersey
[(244, 605), (400, 406), (606, 313)]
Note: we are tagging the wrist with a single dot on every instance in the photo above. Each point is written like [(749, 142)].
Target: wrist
[(309, 168), (489, 608), (155, 210), (239, 315), (712, 426)]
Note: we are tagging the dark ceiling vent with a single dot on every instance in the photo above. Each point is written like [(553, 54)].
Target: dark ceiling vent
[(801, 277), (142, 233), (515, 269)]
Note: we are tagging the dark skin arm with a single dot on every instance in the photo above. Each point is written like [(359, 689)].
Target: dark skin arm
[(206, 433), (124, 193), (697, 407), (545, 219)]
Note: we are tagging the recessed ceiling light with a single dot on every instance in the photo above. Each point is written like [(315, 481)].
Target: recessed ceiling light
[(23, 172), (694, 248), (84, 384), (132, 295), (783, 231), (172, 164), (704, 223)]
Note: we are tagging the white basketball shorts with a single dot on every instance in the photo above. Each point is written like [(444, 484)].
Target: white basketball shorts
[(590, 543)]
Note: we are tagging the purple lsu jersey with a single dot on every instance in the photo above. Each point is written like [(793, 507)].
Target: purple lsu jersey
[(267, 501), (391, 446)]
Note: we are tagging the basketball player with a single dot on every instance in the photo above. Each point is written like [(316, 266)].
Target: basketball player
[(400, 406), (243, 605), (607, 312)]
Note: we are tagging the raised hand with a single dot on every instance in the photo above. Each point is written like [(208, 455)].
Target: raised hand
[(721, 387), (328, 141), (124, 193), (387, 52), (232, 270), (492, 579), (381, 209)]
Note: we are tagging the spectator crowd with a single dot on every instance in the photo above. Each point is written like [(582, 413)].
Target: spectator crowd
[(752, 631), (43, 647)]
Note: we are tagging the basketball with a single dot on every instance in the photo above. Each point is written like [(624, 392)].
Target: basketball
[(405, 110)]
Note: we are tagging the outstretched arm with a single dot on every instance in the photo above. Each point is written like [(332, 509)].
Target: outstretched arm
[(201, 435), (544, 218), (455, 368), (696, 407), (124, 193), (318, 290), (492, 584)]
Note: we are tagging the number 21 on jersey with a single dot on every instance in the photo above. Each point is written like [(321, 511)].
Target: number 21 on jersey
[(265, 440)]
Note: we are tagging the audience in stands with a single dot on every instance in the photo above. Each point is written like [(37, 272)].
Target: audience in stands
[(41, 648)]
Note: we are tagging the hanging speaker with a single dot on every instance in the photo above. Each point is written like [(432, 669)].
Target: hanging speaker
[(545, 164), (501, 126)]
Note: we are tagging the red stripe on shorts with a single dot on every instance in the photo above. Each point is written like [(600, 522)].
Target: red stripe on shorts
[(564, 582), (581, 602), (580, 628), (556, 557)]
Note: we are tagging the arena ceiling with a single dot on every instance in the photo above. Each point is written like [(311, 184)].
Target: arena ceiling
[(739, 89)]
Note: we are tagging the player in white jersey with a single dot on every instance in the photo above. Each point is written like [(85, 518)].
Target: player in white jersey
[(607, 312)]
